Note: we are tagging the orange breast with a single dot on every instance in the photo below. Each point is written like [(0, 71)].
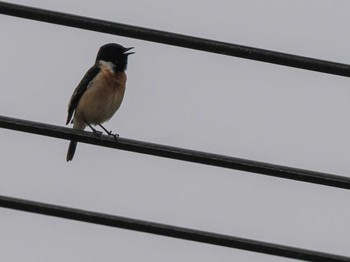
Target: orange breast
[(103, 97)]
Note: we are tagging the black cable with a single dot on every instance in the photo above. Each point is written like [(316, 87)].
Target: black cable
[(167, 230), (177, 153), (175, 39)]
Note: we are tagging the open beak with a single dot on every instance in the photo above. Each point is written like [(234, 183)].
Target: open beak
[(127, 49)]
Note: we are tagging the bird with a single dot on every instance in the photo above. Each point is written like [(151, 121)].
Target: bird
[(100, 92)]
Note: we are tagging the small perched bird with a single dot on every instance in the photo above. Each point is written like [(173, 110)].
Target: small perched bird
[(100, 93)]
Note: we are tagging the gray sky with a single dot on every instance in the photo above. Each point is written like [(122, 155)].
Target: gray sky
[(183, 98)]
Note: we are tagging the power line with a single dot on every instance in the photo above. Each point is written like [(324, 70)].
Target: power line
[(167, 230), (177, 153), (175, 39)]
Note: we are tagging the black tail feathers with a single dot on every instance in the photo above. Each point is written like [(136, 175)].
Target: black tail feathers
[(71, 150)]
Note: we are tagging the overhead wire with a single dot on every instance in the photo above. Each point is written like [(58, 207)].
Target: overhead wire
[(174, 39), (167, 230), (177, 153)]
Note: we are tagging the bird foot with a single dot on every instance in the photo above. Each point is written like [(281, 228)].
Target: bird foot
[(116, 136), (97, 133), (110, 133)]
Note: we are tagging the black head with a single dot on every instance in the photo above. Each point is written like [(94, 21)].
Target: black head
[(116, 54)]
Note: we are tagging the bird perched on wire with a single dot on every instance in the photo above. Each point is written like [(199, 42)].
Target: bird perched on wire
[(100, 93)]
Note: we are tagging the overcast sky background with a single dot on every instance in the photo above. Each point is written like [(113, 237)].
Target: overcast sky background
[(188, 99)]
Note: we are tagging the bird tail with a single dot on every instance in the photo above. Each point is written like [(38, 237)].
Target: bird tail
[(71, 150), (73, 144)]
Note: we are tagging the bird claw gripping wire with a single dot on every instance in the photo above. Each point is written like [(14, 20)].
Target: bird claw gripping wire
[(97, 133), (116, 136), (94, 131), (110, 133)]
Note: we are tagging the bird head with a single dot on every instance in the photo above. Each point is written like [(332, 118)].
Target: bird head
[(116, 54)]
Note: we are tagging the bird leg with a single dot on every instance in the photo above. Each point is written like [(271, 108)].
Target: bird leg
[(96, 132), (109, 132)]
